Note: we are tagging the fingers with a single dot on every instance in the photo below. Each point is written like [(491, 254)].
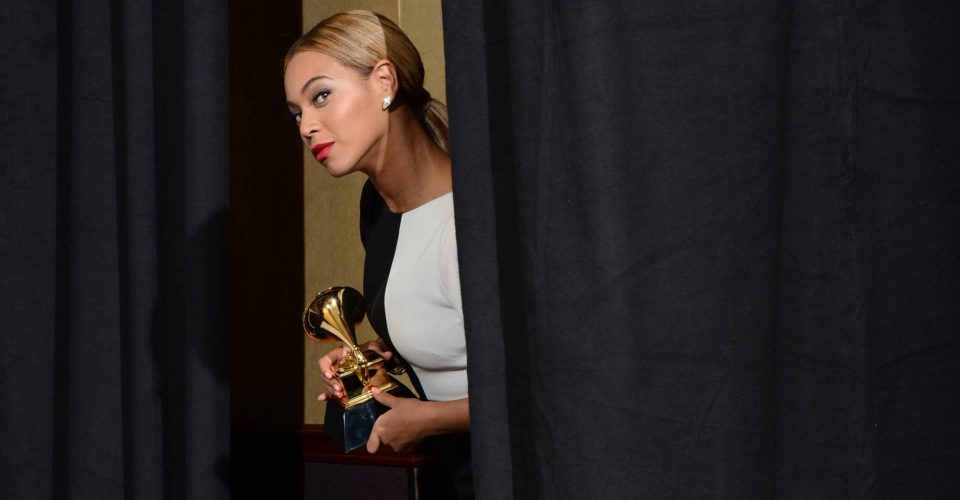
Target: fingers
[(328, 363), (330, 360), (323, 396), (373, 443), (329, 394), (384, 398), (378, 347), (333, 389)]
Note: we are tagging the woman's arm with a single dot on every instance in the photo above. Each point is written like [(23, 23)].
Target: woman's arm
[(410, 420)]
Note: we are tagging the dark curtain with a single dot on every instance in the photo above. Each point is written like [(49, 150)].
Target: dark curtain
[(709, 249), (113, 250)]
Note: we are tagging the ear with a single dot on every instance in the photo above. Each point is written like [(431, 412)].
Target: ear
[(384, 78)]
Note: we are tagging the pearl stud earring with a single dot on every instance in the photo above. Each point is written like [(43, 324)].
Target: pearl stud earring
[(386, 102)]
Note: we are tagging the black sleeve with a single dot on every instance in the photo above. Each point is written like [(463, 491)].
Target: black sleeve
[(379, 228), (370, 201)]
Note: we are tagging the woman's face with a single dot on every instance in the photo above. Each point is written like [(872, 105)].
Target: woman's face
[(338, 111)]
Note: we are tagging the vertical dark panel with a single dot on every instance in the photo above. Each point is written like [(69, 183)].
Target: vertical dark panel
[(651, 146), (471, 151), (30, 260), (88, 285), (821, 379), (110, 402), (516, 303), (868, 344), (905, 146), (205, 246), (61, 347), (123, 243), (266, 244), (135, 135), (169, 321)]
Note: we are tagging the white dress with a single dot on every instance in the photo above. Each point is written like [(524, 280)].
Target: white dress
[(423, 308)]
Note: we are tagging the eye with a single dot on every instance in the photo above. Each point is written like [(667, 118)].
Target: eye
[(321, 98), (295, 118)]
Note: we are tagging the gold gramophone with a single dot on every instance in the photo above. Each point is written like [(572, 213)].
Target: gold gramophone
[(331, 316)]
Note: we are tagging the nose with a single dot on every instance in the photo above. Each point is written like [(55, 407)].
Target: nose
[(309, 125)]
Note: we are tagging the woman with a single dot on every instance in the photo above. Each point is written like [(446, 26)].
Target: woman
[(354, 85)]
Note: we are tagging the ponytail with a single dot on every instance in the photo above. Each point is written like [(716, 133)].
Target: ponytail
[(435, 122)]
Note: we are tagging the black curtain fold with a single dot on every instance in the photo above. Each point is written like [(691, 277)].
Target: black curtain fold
[(114, 236), (709, 249)]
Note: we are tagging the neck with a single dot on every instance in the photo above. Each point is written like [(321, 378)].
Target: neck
[(411, 170)]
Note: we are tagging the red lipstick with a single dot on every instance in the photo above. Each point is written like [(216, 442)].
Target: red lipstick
[(321, 150)]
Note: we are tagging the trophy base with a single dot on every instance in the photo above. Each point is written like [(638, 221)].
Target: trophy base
[(350, 427)]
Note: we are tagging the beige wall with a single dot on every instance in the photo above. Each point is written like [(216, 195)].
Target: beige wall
[(332, 251)]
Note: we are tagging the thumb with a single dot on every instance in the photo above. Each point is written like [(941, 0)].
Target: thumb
[(383, 397)]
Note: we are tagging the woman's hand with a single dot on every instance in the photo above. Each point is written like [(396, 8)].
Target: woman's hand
[(332, 387), (378, 347), (409, 420), (402, 426)]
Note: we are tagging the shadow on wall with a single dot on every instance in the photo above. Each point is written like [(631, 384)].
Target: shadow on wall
[(189, 337)]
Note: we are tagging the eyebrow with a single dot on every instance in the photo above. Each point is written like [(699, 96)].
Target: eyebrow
[(319, 77)]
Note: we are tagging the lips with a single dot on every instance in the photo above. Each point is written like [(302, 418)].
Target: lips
[(321, 150)]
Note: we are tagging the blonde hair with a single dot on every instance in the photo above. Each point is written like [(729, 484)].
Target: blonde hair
[(358, 39)]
